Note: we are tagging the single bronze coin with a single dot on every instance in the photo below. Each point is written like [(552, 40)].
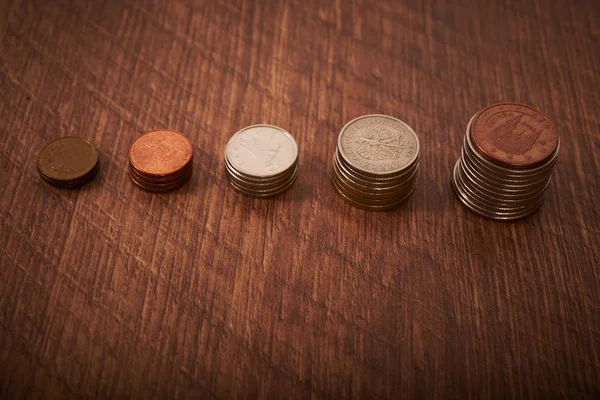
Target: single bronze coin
[(514, 134), (160, 153), (68, 162)]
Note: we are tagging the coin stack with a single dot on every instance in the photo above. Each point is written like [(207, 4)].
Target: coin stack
[(261, 160), (507, 159), (68, 162), (376, 162), (160, 161)]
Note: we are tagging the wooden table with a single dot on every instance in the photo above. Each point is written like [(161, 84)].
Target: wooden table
[(108, 291)]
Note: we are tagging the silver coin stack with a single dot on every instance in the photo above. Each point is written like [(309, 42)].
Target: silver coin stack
[(504, 176), (376, 162), (261, 160)]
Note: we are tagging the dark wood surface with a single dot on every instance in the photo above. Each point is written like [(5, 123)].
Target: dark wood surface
[(111, 292)]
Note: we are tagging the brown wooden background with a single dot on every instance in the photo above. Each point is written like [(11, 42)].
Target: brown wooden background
[(108, 291)]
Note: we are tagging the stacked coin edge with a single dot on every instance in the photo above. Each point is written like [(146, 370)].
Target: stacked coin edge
[(161, 183)]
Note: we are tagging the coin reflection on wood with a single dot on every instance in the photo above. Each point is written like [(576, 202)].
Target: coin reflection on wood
[(68, 162), (376, 162), (505, 167), (160, 161), (261, 160)]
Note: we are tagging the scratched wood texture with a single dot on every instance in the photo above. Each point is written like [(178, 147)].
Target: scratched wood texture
[(111, 292)]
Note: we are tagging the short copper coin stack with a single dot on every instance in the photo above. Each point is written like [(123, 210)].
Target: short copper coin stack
[(376, 162), (507, 159), (68, 162), (261, 160), (160, 161)]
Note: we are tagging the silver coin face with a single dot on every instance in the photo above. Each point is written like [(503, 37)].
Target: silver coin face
[(261, 150), (378, 144)]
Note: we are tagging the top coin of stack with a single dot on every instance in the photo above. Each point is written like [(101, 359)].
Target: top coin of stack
[(68, 162), (261, 160), (508, 155), (376, 162), (160, 161)]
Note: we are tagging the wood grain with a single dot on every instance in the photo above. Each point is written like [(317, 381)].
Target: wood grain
[(111, 292)]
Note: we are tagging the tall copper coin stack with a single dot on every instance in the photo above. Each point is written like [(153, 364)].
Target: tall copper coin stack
[(376, 162), (507, 159), (261, 160), (160, 161)]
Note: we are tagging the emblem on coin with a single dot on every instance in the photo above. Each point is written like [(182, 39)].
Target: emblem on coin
[(507, 138), (262, 148), (378, 144)]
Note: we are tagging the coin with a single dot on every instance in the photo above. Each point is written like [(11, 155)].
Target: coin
[(513, 134), (261, 160), (160, 153), (261, 151), (68, 162), (160, 161), (376, 162), (506, 164), (378, 144)]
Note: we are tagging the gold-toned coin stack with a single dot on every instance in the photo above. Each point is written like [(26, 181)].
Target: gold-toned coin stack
[(160, 161), (261, 161), (507, 158), (376, 162)]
